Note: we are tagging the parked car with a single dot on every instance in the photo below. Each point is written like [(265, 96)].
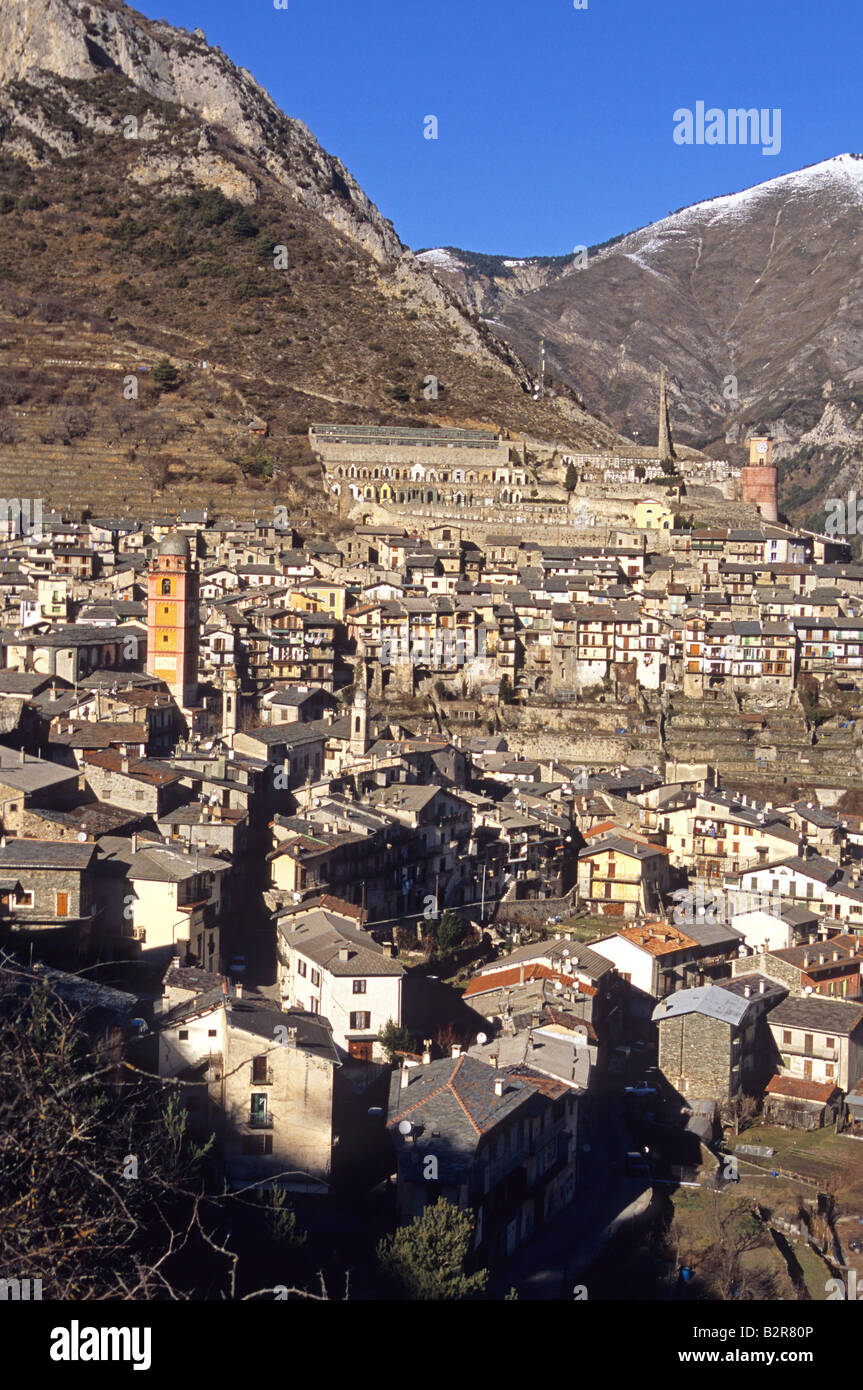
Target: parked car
[(637, 1165)]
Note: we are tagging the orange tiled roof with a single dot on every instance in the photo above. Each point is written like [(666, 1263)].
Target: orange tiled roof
[(799, 1089), (659, 938), (502, 979)]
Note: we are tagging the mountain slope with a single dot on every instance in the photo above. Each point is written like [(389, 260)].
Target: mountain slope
[(763, 286), (156, 202)]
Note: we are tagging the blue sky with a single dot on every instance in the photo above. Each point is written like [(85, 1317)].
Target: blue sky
[(555, 125)]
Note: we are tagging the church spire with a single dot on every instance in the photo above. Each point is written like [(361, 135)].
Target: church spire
[(665, 442)]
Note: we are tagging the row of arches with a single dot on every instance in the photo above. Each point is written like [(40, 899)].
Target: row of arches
[(418, 472), (422, 496)]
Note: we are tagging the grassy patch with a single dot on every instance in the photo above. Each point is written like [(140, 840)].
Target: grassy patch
[(823, 1157)]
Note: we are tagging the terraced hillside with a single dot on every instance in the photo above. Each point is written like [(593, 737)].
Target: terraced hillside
[(154, 201)]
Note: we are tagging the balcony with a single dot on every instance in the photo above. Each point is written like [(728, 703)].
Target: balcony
[(816, 1052)]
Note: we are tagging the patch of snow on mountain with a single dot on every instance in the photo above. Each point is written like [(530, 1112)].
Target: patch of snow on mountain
[(440, 259), (844, 173)]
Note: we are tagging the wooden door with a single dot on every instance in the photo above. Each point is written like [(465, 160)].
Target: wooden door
[(62, 904), (362, 1051)]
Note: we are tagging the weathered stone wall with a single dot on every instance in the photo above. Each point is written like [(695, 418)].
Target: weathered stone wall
[(694, 1054)]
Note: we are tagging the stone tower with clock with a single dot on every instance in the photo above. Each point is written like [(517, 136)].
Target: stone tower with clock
[(758, 480)]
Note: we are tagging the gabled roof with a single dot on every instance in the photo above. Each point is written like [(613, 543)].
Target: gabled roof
[(157, 863), (45, 854), (709, 1000), (796, 1088), (818, 1014), (454, 1099), (321, 936)]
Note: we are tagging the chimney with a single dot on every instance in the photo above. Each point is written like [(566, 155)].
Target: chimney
[(388, 948), (134, 842), (426, 1057), (498, 1086), (175, 962), (835, 955), (747, 991), (238, 990), (405, 1078), (455, 1050), (344, 953), (124, 765), (760, 986)]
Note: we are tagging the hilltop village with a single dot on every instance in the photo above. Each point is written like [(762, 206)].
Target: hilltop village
[(440, 841)]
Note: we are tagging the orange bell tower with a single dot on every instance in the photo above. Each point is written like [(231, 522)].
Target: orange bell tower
[(172, 620)]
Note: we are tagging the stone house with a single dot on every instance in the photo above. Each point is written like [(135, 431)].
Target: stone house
[(142, 785), (713, 1040), (501, 1141), (261, 1080), (47, 892), (28, 783)]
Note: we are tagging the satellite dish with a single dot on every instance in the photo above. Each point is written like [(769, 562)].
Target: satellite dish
[(82, 836), (482, 1039), (405, 1126)]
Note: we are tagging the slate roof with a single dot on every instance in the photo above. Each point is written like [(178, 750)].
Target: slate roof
[(818, 1014), (25, 682), (158, 863), (314, 1033), (192, 977), (321, 935), (32, 774), (95, 819), (454, 1101), (568, 952), (711, 1000), (45, 854), (96, 1005)]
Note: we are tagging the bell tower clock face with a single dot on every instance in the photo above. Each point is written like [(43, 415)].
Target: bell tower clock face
[(761, 446)]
